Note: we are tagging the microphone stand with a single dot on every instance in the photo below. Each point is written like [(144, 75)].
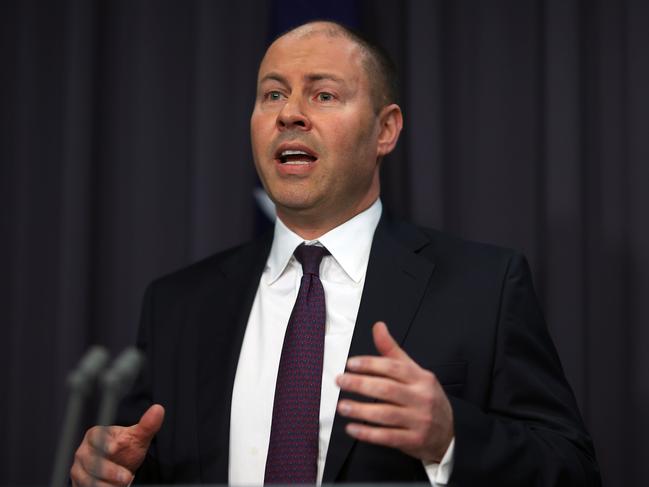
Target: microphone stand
[(80, 382), (115, 382)]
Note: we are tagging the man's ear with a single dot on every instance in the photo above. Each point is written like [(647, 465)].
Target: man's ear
[(391, 123)]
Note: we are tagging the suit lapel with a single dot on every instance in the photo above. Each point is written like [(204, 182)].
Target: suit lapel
[(394, 286), (222, 317)]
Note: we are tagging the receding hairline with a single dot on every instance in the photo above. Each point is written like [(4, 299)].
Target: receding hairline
[(331, 29), (374, 59)]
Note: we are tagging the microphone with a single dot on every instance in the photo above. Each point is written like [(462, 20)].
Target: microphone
[(115, 383), (80, 382)]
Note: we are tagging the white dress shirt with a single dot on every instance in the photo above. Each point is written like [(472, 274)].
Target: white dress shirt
[(343, 275)]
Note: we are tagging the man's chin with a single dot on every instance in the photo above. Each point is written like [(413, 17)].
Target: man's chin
[(296, 208), (293, 197), (299, 208)]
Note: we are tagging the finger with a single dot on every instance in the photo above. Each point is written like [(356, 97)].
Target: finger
[(81, 478), (400, 370), (385, 344), (378, 435), (380, 414), (100, 438), (149, 424), (104, 470), (376, 387)]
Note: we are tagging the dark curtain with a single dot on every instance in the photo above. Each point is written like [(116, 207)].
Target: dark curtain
[(124, 154)]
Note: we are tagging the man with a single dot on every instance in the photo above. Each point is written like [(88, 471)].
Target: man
[(466, 387)]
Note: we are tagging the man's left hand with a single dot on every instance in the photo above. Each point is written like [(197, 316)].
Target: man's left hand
[(412, 414)]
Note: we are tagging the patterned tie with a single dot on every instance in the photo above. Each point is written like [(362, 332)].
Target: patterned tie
[(293, 447)]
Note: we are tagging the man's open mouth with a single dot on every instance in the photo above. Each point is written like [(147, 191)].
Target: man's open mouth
[(295, 157)]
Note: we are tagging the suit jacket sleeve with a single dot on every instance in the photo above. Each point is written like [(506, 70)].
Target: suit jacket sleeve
[(529, 432)]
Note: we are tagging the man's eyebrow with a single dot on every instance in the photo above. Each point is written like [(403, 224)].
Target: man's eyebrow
[(272, 76), (323, 76)]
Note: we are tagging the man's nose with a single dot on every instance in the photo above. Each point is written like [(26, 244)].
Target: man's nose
[(292, 116)]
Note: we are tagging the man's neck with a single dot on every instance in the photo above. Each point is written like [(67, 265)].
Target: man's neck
[(311, 227)]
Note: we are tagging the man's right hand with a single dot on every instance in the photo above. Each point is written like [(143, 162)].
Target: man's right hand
[(123, 451)]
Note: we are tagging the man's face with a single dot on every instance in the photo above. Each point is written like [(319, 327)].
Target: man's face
[(314, 131)]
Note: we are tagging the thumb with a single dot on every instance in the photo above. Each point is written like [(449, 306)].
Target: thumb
[(385, 344), (149, 424)]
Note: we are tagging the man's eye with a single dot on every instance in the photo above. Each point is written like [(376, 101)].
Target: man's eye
[(325, 97), (273, 95)]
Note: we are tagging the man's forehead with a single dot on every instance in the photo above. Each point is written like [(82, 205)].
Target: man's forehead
[(315, 46)]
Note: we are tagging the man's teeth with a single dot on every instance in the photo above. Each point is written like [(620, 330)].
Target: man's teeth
[(293, 153), (291, 157), (297, 163)]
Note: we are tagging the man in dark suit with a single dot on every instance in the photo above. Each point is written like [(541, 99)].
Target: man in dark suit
[(466, 386)]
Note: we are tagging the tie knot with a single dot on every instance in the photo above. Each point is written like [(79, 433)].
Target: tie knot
[(310, 257)]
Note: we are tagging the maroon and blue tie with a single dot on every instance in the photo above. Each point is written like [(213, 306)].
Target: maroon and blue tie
[(293, 447)]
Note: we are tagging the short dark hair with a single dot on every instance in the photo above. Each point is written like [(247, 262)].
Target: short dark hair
[(380, 69)]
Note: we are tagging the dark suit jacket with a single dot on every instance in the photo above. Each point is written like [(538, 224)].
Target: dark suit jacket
[(466, 311)]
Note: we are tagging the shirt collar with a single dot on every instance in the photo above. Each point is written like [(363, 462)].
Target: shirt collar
[(349, 244)]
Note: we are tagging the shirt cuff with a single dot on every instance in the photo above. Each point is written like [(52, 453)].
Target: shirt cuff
[(439, 473)]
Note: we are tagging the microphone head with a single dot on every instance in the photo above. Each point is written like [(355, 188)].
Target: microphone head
[(124, 369), (128, 362), (90, 366)]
